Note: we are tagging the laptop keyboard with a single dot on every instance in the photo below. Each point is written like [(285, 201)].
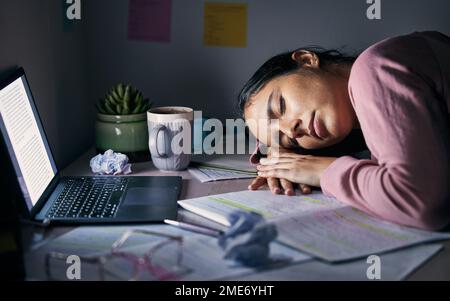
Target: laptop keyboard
[(90, 197)]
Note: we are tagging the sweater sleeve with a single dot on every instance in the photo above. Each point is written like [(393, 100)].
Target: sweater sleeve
[(406, 129)]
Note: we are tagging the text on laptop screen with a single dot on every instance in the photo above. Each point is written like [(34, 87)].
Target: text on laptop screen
[(25, 139)]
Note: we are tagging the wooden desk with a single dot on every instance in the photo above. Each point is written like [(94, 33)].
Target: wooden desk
[(438, 268)]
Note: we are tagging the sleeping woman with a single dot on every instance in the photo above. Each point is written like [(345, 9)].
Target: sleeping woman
[(397, 93)]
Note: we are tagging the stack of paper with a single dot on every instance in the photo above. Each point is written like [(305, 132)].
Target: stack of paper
[(236, 163), (315, 224), (205, 174), (208, 168)]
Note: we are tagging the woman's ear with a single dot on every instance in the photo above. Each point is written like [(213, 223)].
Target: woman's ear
[(306, 58)]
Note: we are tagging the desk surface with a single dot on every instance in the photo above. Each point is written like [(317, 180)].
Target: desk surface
[(437, 268)]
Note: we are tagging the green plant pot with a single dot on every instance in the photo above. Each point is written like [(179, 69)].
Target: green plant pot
[(127, 134)]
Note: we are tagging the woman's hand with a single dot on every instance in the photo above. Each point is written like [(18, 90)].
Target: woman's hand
[(295, 168), (278, 186)]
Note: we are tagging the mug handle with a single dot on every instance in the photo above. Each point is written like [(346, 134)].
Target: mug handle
[(154, 150)]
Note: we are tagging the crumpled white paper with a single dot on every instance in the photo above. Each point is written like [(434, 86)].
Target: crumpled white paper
[(110, 163), (247, 240)]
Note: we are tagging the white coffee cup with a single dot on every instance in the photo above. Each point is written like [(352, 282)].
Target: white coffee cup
[(170, 137)]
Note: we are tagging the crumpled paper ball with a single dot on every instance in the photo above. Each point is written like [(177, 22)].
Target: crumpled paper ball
[(247, 240), (110, 163)]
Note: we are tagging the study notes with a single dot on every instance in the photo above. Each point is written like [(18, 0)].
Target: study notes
[(316, 224)]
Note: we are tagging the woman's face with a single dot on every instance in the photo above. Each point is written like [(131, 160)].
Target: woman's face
[(313, 110)]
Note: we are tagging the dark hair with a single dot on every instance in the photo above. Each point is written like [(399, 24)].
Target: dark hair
[(283, 64)]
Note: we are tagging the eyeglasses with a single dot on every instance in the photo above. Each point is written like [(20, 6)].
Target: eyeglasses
[(163, 260)]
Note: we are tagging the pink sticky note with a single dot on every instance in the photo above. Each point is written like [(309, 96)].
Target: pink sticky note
[(149, 20)]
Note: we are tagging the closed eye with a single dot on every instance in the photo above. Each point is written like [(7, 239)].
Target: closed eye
[(289, 143), (293, 143), (282, 105)]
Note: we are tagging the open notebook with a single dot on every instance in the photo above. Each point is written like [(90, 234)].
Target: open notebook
[(315, 224)]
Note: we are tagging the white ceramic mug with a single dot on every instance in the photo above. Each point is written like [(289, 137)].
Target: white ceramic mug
[(167, 126)]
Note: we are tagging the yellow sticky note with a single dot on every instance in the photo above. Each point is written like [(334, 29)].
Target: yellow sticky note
[(225, 24)]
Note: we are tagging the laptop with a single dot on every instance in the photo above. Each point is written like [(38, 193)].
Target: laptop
[(49, 197)]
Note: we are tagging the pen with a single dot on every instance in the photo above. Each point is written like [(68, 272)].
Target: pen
[(194, 228)]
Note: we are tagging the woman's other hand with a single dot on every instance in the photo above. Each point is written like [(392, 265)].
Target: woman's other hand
[(295, 168), (278, 186)]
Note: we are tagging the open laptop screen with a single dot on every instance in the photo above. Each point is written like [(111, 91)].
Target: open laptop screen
[(25, 139)]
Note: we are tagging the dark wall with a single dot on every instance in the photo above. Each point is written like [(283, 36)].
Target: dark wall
[(32, 35)]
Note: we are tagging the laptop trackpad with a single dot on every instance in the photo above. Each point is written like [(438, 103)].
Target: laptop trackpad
[(148, 204), (143, 196)]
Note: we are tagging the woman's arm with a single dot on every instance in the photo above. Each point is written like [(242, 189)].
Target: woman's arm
[(403, 118)]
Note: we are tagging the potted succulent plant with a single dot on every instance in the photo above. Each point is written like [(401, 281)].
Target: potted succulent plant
[(121, 123)]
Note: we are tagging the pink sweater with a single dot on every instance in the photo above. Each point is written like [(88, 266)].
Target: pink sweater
[(399, 89)]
